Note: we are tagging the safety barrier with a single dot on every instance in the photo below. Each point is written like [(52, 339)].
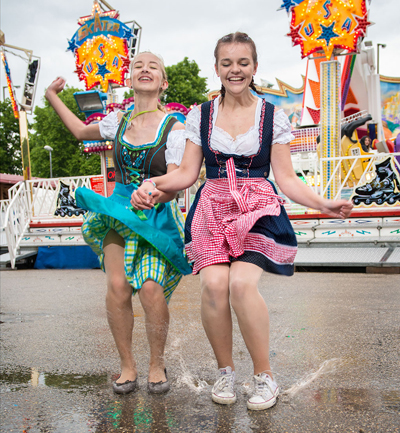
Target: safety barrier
[(32, 200)]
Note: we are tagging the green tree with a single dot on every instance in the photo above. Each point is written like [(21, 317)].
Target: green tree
[(128, 94), (68, 158), (10, 146), (185, 85)]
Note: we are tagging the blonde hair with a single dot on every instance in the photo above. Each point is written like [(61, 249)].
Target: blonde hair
[(163, 72)]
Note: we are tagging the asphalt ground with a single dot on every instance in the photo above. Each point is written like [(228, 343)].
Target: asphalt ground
[(335, 352)]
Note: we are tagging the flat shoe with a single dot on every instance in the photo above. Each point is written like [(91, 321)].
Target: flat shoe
[(126, 387), (159, 387)]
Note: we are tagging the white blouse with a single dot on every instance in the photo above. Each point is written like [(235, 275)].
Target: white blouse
[(175, 145), (244, 144)]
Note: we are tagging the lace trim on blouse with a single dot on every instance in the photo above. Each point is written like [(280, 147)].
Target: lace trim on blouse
[(175, 145), (245, 144)]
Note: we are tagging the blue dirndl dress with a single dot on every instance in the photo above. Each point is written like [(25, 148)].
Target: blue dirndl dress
[(237, 214), (154, 239)]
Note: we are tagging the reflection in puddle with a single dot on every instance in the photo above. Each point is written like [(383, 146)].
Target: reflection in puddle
[(24, 377)]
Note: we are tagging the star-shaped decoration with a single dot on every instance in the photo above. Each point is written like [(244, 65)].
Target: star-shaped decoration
[(126, 62), (79, 70), (289, 4), (72, 45), (97, 10), (328, 33), (127, 33), (102, 69), (294, 34), (362, 25)]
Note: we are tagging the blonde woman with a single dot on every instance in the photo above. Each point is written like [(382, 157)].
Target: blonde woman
[(141, 252)]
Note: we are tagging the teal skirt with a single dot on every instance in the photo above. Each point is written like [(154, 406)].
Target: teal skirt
[(154, 239)]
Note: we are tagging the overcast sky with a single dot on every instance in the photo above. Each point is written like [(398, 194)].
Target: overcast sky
[(176, 29)]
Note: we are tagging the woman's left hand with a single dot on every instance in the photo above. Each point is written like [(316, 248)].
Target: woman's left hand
[(337, 208)]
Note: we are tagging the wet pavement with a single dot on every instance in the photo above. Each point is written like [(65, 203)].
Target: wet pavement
[(335, 343)]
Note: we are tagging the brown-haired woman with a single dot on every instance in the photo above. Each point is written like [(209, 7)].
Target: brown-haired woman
[(142, 252), (237, 226)]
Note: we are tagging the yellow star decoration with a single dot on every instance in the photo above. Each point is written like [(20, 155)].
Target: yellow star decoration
[(101, 60), (323, 25)]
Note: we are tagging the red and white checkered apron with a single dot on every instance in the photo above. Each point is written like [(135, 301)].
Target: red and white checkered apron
[(227, 209)]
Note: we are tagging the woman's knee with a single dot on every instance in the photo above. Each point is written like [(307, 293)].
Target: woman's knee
[(239, 288), (151, 293), (118, 287), (214, 289)]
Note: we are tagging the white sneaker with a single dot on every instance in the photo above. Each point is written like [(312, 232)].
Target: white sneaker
[(222, 391), (265, 392)]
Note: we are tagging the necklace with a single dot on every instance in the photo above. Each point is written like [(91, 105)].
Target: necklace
[(133, 116)]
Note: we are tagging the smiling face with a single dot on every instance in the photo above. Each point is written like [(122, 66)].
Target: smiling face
[(148, 74), (235, 66)]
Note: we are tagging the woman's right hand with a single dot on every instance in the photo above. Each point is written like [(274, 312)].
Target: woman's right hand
[(145, 197), (56, 86)]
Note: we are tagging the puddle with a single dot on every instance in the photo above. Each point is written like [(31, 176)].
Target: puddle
[(20, 377)]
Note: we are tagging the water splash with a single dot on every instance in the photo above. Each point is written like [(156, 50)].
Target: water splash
[(186, 378), (326, 367)]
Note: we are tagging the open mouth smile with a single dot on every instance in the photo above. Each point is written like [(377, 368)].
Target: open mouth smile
[(235, 79)]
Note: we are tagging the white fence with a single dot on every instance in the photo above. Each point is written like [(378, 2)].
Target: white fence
[(30, 200), (43, 193), (16, 220), (310, 169)]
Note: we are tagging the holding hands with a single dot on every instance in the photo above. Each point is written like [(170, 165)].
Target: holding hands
[(145, 197)]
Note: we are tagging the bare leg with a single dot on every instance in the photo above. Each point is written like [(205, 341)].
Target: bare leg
[(251, 312), (157, 322), (216, 312), (119, 304)]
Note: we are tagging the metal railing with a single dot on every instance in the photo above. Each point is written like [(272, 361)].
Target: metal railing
[(315, 180), (29, 200), (3, 209), (16, 219), (43, 196)]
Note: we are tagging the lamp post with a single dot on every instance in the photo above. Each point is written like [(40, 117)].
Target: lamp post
[(383, 46), (50, 149)]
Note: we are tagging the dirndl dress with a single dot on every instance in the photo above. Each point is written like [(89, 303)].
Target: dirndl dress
[(154, 239), (237, 214)]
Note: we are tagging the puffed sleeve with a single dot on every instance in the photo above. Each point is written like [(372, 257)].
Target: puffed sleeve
[(193, 126), (109, 125), (282, 128), (175, 147)]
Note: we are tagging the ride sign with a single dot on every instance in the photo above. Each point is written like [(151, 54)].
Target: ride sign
[(100, 47)]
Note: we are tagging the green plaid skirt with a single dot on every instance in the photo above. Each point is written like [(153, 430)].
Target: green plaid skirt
[(142, 260)]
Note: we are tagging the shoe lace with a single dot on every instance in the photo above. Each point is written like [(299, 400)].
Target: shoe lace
[(225, 382), (261, 386)]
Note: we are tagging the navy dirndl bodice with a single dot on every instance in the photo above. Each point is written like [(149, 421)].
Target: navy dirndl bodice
[(257, 165)]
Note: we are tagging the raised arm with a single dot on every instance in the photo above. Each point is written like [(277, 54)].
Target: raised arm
[(73, 123), (297, 190)]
